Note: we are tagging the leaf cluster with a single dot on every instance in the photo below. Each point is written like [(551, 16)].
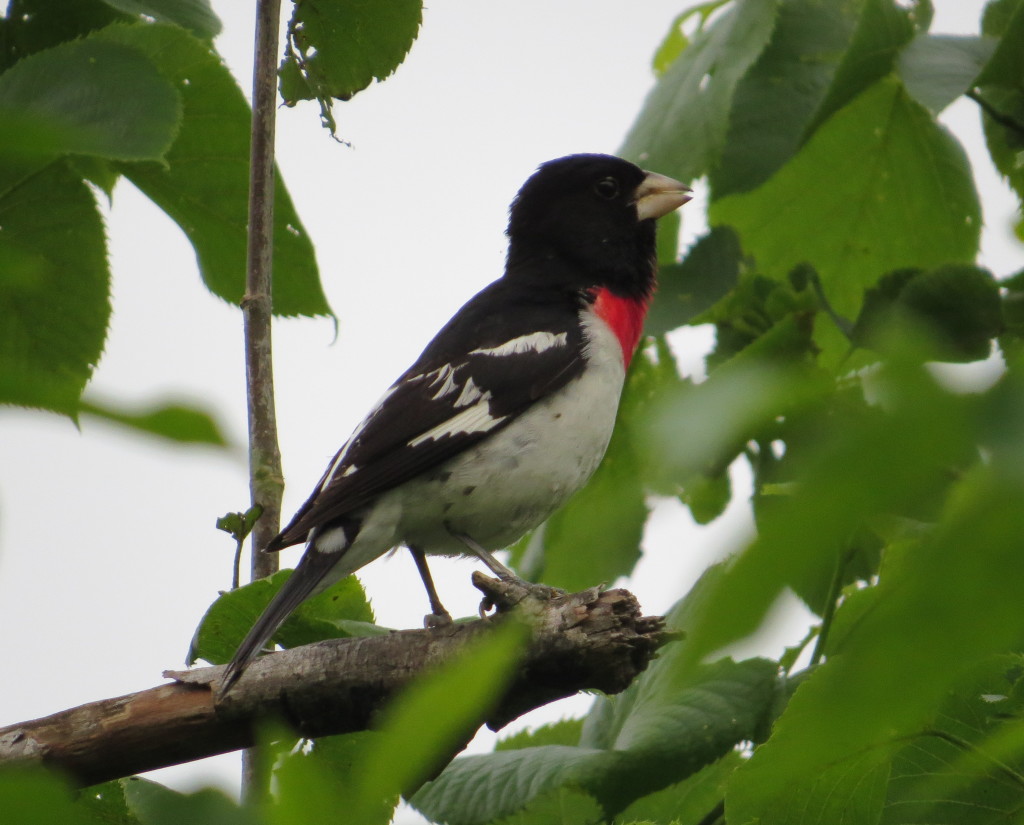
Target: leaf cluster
[(92, 91)]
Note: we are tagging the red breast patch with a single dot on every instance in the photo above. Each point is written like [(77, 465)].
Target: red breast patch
[(625, 316)]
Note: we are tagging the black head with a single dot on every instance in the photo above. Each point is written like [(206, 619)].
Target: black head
[(595, 215)]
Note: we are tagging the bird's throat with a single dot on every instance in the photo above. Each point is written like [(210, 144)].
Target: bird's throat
[(625, 317)]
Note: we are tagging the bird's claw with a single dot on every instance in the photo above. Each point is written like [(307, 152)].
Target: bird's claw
[(434, 621)]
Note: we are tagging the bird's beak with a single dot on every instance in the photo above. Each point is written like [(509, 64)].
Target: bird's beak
[(658, 195)]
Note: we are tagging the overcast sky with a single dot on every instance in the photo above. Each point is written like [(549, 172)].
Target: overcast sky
[(108, 553)]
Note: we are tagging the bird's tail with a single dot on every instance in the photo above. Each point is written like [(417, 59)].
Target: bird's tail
[(310, 572)]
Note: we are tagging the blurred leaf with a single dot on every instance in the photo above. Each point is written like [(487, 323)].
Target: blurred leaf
[(681, 127), (894, 670), (195, 15), (1001, 91), (328, 615), (673, 44), (709, 270), (106, 803), (689, 802), (174, 422), (89, 98), (884, 28), (696, 430), (776, 98), (155, 804), (33, 25), (707, 496), (952, 773), (937, 69), (856, 228), (959, 303), (54, 287), (562, 806), (33, 796), (204, 184), (665, 727), (239, 525), (416, 735), (562, 732), (339, 47)]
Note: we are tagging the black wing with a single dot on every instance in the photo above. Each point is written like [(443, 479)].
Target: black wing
[(497, 356)]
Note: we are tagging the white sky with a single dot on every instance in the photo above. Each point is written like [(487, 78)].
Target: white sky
[(108, 553)]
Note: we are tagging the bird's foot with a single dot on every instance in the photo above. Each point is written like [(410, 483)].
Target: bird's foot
[(506, 591), (433, 621)]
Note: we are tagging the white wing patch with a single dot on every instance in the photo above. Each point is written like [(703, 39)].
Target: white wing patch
[(445, 376), (470, 393), (534, 342), (475, 419)]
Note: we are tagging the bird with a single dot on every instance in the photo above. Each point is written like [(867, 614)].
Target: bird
[(509, 409)]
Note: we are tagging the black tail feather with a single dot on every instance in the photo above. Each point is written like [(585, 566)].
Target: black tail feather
[(303, 582)]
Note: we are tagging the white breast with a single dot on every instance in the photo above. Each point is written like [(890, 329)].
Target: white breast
[(512, 481)]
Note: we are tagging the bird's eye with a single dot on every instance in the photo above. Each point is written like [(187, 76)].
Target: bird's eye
[(607, 188)]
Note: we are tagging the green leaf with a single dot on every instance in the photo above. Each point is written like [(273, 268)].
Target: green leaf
[(89, 98), (34, 796), (688, 802), (666, 726), (107, 804), (1001, 92), (681, 127), (174, 422), (328, 615), (155, 804), (710, 269), (239, 525), (911, 201), (701, 718), (33, 25), (563, 732), (954, 772), (937, 69), (959, 304), (195, 15), (477, 790), (562, 806), (54, 286), (883, 30), (416, 735), (776, 98), (204, 186), (341, 46)]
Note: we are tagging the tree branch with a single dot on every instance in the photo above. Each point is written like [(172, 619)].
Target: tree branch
[(586, 641), (266, 478)]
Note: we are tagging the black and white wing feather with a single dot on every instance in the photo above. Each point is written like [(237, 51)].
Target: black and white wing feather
[(477, 376)]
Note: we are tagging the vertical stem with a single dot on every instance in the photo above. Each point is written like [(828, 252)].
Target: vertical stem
[(266, 480)]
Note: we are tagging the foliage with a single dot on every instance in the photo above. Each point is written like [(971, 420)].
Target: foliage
[(91, 91), (839, 272)]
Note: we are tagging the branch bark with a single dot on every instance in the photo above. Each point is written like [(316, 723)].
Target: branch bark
[(266, 478), (586, 641)]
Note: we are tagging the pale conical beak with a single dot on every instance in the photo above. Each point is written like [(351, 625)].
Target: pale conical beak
[(658, 195)]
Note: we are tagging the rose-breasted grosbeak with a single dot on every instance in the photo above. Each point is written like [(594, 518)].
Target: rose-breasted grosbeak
[(508, 411)]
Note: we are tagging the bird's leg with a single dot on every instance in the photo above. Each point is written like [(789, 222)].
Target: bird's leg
[(438, 616), (540, 591), (496, 567)]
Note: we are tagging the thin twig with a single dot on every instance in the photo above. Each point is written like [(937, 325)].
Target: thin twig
[(266, 482)]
